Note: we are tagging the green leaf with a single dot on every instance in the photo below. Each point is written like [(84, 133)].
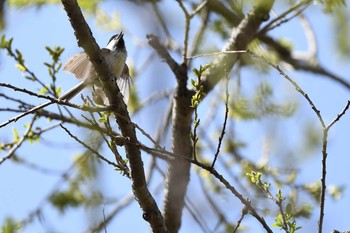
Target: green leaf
[(48, 65), (44, 91), (278, 221), (196, 123), (279, 194), (194, 83), (10, 226), (103, 118), (330, 5), (15, 135), (196, 72), (21, 67), (3, 42), (58, 91)]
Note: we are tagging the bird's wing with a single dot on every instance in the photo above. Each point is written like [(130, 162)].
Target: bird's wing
[(79, 65), (124, 83)]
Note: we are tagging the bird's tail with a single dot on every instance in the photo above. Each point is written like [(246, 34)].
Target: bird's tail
[(73, 91)]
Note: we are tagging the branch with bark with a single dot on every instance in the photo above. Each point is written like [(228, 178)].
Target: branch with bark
[(85, 40), (178, 172)]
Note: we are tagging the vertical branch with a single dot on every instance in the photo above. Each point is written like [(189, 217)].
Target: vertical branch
[(323, 179), (188, 17), (187, 28), (178, 171), (324, 137), (221, 137), (324, 165)]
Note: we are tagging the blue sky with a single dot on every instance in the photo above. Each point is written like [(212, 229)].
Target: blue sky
[(33, 29)]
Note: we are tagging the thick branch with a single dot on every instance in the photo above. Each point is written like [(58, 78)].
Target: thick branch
[(87, 42), (285, 54), (241, 36), (178, 172)]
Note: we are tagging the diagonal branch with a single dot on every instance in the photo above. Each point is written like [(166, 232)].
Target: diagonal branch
[(83, 33), (241, 36)]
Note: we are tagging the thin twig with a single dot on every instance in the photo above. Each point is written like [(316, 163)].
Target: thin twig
[(340, 115), (243, 214), (161, 19), (52, 100), (324, 165), (221, 137), (219, 177), (89, 148), (147, 135), (273, 22), (187, 28), (297, 87), (32, 76), (216, 53), (324, 137), (19, 143), (196, 215), (122, 204)]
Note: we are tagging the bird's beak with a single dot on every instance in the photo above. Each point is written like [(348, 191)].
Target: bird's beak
[(120, 36)]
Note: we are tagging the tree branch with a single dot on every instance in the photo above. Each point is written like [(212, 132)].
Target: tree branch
[(241, 36), (139, 185), (178, 172)]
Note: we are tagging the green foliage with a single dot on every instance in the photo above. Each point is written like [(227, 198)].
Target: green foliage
[(314, 189), (255, 178), (32, 137), (288, 223), (70, 198), (108, 21), (285, 218), (18, 57), (260, 105), (335, 191), (330, 5), (53, 68), (342, 31), (196, 99), (10, 226), (85, 4), (75, 196), (197, 84), (15, 135), (104, 117), (6, 44)]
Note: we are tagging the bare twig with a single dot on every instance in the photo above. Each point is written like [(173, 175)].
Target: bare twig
[(221, 137), (297, 88), (188, 17), (273, 23), (219, 177), (35, 109), (122, 204), (324, 137), (243, 214), (89, 148), (161, 19), (216, 53)]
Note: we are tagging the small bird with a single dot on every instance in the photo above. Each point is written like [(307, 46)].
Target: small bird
[(115, 55)]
